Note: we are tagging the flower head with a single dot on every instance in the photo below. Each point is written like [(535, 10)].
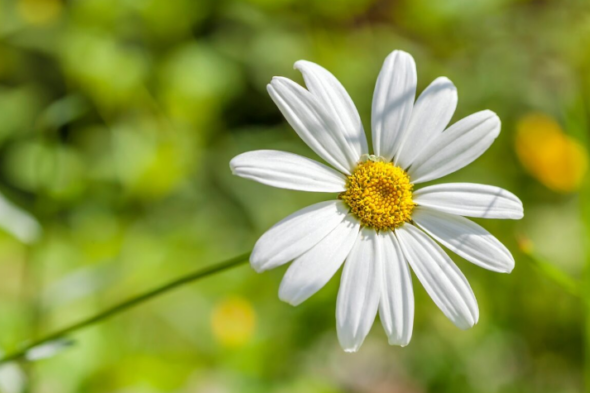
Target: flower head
[(378, 225), (379, 194)]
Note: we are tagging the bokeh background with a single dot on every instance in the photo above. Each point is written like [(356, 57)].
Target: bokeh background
[(117, 122)]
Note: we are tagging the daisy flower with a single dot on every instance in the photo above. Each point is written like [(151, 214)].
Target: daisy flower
[(378, 225)]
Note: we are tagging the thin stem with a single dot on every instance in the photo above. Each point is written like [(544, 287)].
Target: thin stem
[(585, 210), (129, 304), (552, 272)]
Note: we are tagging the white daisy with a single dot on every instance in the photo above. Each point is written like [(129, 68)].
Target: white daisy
[(378, 223)]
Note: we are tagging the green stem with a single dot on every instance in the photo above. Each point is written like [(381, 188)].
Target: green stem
[(585, 209), (552, 272), (128, 304), (586, 328)]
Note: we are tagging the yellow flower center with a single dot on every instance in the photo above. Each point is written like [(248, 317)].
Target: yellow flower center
[(379, 194)]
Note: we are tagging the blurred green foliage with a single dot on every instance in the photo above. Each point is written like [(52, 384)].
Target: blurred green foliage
[(117, 122)]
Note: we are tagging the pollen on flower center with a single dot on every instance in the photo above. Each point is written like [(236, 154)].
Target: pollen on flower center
[(379, 194)]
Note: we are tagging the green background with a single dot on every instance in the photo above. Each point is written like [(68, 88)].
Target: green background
[(118, 119)]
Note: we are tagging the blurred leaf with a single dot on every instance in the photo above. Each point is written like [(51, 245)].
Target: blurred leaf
[(18, 107), (110, 72), (194, 81), (18, 222), (56, 170), (40, 12), (63, 111)]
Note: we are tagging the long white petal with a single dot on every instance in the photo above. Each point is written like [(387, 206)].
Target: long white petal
[(313, 123), (471, 200), (393, 101), (296, 234), (333, 96), (441, 278), (432, 112), (312, 270), (456, 147), (396, 308), (465, 238), (287, 170), (360, 290)]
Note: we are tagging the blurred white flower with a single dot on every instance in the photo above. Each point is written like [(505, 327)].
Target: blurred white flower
[(48, 349), (378, 224), (18, 222), (12, 378)]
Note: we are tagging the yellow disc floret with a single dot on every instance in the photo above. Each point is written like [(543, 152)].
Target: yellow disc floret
[(379, 194)]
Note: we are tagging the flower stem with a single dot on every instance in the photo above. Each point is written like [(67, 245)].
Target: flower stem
[(118, 308), (585, 210), (550, 271)]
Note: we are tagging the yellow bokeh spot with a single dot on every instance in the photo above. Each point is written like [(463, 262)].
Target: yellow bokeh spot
[(39, 12), (233, 321), (525, 244), (551, 156), (379, 194)]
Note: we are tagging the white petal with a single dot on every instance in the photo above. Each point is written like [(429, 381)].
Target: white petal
[(331, 95), (441, 278), (313, 124), (471, 200), (312, 270), (396, 308), (456, 147), (432, 112), (393, 101), (360, 289), (296, 234), (465, 238), (287, 170)]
